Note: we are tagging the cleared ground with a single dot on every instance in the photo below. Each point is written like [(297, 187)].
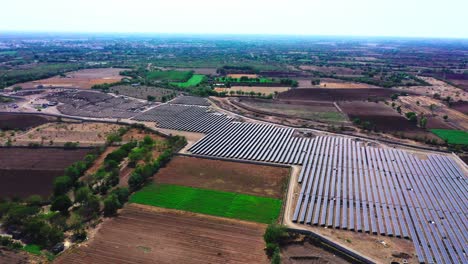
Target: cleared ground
[(87, 134), (24, 172), (343, 94), (317, 111), (442, 88), (141, 92), (331, 83), (143, 234), (19, 121), (227, 176), (83, 79)]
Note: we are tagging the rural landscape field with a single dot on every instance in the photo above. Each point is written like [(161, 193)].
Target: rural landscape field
[(308, 132)]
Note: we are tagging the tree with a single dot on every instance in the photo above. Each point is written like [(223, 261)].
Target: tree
[(399, 109), (62, 185), (91, 206), (111, 205), (122, 194), (275, 233), (135, 181), (445, 117), (150, 98), (82, 194), (432, 107), (423, 122), (61, 203)]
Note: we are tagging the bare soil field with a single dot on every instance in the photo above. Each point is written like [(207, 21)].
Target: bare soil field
[(83, 79), (383, 118), (331, 69), (14, 257), (260, 180), (442, 88), (461, 107), (317, 111), (422, 105), (331, 83), (24, 171), (142, 234), (9, 121), (256, 89), (325, 94), (87, 134), (141, 92)]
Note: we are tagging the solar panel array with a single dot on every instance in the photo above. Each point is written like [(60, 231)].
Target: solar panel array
[(252, 141), (186, 118), (386, 191)]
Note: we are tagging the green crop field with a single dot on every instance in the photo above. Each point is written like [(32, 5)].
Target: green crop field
[(224, 204), (170, 75), (452, 136), (8, 53), (193, 81)]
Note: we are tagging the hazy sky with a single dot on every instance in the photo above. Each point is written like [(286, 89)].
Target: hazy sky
[(414, 18)]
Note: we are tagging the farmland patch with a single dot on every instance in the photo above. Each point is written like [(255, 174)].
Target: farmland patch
[(217, 203)]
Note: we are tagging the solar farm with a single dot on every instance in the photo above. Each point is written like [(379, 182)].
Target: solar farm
[(345, 183)]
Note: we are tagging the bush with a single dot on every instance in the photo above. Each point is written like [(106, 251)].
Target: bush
[(135, 181), (271, 248), (276, 258), (70, 145), (82, 194), (61, 203), (122, 194), (275, 233), (34, 200), (62, 185), (111, 205)]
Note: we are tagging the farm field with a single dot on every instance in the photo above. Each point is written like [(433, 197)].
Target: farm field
[(382, 116), (141, 92), (10, 121), (317, 111), (83, 79), (256, 89), (56, 134), (142, 234), (170, 75), (452, 136), (24, 171), (260, 180), (193, 81), (325, 94), (442, 88), (217, 203), (422, 104), (331, 83), (239, 75), (239, 79)]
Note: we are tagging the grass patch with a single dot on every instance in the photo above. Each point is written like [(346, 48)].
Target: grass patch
[(170, 75), (33, 249), (193, 81), (458, 137), (224, 204), (8, 53)]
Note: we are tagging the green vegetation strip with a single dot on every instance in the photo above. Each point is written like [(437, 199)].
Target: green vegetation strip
[(458, 137), (193, 81), (224, 204), (33, 249), (170, 75)]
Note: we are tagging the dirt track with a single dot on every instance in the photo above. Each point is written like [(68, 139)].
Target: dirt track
[(142, 234)]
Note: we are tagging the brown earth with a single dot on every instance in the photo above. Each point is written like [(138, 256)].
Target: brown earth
[(14, 257), (442, 88), (239, 75), (305, 252), (325, 94), (24, 172), (139, 134), (20, 121), (83, 79), (227, 176), (87, 133), (143, 234), (461, 107), (331, 83)]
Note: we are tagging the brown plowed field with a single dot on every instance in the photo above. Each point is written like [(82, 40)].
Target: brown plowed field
[(24, 172), (12, 257), (21, 122), (142, 234), (228, 176), (325, 94)]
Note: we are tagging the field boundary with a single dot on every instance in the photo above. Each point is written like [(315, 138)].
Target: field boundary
[(234, 160), (340, 248)]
